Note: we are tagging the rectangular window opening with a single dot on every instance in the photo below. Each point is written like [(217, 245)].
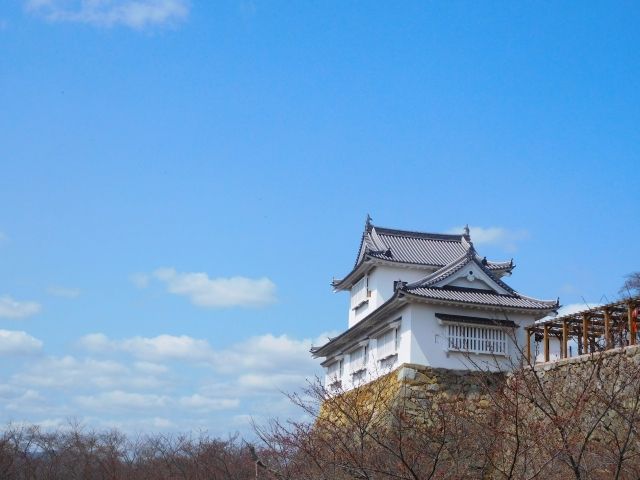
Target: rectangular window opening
[(475, 339), (359, 292)]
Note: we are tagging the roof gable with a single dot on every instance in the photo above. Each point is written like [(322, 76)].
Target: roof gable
[(441, 286), (468, 272), (469, 267)]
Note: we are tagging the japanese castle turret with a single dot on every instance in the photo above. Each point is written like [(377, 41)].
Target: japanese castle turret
[(426, 299)]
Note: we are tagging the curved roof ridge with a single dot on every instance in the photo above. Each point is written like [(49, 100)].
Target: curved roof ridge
[(493, 265), (451, 237), (441, 273), (550, 302), (377, 241)]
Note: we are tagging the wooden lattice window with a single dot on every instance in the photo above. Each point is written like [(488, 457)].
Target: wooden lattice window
[(358, 359), (335, 371), (359, 292), (476, 339), (387, 344)]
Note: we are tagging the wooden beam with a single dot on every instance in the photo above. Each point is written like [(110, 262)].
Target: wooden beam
[(632, 325), (565, 339), (585, 333), (529, 347), (607, 330), (546, 343)]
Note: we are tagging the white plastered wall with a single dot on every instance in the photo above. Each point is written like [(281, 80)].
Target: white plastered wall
[(429, 338), (375, 367), (381, 280)]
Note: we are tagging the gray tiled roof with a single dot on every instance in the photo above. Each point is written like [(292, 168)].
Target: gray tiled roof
[(481, 297), (496, 266), (417, 248)]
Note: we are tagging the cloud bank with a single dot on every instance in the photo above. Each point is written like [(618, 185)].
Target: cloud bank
[(163, 382), (263, 353)]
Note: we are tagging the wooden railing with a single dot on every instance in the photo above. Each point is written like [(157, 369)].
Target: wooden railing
[(591, 330)]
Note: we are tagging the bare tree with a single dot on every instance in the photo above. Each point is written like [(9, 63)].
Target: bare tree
[(631, 285)]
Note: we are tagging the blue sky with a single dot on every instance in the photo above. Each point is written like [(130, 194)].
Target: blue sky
[(179, 182)]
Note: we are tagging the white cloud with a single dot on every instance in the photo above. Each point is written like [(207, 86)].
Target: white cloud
[(218, 292), (135, 380), (30, 400), (167, 347), (151, 368), (120, 400), (136, 14), (260, 353), (96, 343), (69, 372), (10, 308), (173, 347), (266, 353), (65, 292), (9, 391), (206, 404), (18, 343), (282, 382), (499, 236)]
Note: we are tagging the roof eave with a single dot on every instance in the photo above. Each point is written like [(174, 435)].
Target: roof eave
[(396, 302), (346, 282), (419, 298)]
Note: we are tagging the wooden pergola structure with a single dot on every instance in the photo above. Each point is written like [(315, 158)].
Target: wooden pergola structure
[(593, 330)]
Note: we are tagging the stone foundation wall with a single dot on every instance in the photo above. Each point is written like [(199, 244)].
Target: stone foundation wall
[(551, 421), (416, 387), (569, 369), (420, 385)]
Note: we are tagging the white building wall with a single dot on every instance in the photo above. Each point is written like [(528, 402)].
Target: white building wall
[(380, 281), (375, 365), (537, 349), (423, 340), (429, 339)]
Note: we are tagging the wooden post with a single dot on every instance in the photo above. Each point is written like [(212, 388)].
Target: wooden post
[(565, 338), (529, 347), (546, 343), (585, 333), (607, 330), (632, 325)]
